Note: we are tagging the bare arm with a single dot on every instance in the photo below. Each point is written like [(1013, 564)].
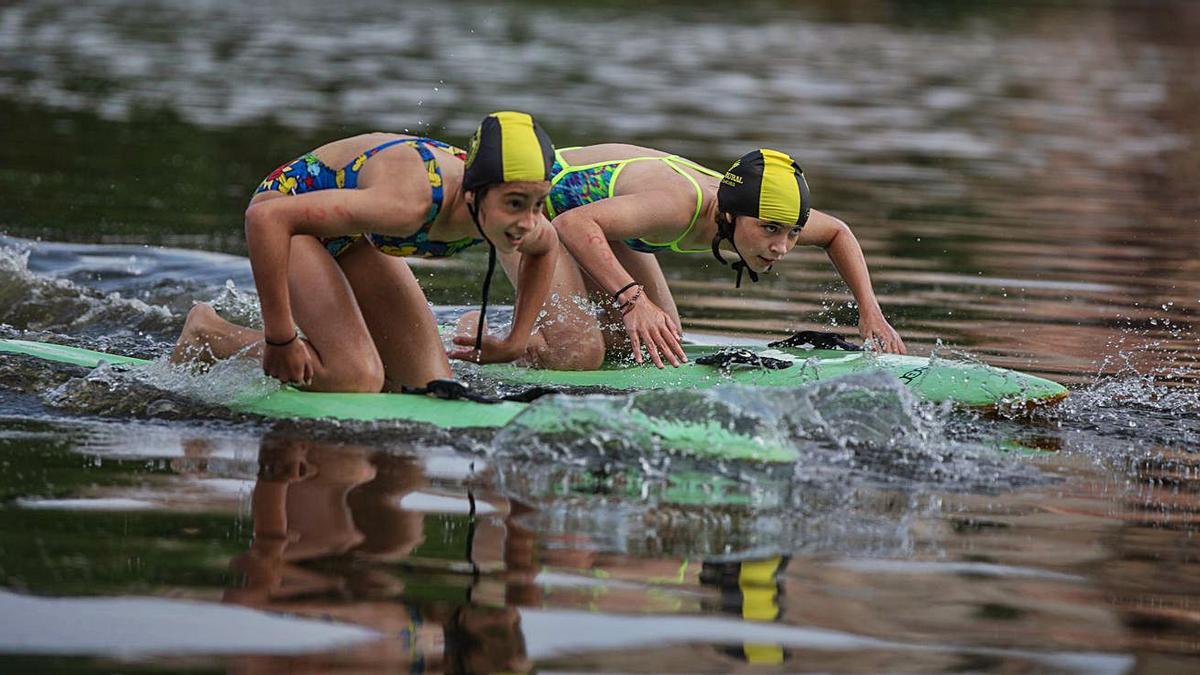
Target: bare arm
[(586, 232), (844, 251), (536, 273), (270, 225), (539, 255)]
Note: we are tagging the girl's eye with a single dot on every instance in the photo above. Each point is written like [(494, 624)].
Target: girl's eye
[(795, 232), (771, 229)]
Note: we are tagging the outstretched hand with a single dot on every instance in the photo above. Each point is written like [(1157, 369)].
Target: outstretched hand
[(876, 329), (495, 350), (290, 363), (649, 326)]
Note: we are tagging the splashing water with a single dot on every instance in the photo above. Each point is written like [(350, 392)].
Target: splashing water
[(237, 306), (162, 389), (37, 303), (867, 425), (1148, 403)]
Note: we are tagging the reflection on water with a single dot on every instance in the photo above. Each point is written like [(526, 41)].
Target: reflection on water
[(1022, 178), (423, 549)]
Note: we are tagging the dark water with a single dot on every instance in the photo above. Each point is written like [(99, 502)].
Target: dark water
[(1022, 178)]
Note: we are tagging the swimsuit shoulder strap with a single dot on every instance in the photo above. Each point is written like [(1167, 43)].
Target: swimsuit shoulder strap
[(441, 145), (565, 169), (383, 146), (348, 175), (677, 163), (356, 163), (562, 161), (698, 167)]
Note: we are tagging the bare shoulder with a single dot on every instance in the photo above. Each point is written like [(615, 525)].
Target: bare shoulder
[(609, 152), (337, 154), (821, 229)]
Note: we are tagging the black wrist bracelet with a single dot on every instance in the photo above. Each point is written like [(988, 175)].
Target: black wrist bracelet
[(295, 334), (617, 295)]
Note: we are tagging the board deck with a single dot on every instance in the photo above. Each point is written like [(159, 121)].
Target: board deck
[(697, 438), (937, 380)]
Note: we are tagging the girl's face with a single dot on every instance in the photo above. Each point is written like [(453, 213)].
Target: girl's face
[(511, 211), (763, 243)]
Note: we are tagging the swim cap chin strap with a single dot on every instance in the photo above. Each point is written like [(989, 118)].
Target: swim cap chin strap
[(473, 209), (725, 227)]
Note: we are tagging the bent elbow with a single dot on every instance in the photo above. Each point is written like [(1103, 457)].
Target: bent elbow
[(550, 239), (573, 231), (259, 222), (253, 220), (561, 225), (838, 230)]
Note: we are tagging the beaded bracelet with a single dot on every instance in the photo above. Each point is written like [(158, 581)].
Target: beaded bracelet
[(627, 306)]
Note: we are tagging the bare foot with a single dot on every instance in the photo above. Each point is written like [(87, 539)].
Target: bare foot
[(194, 344), (467, 323)]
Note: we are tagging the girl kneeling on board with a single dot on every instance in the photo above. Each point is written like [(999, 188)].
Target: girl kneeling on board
[(327, 234)]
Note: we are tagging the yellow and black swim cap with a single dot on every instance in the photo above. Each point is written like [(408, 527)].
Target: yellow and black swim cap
[(507, 147), (765, 184)]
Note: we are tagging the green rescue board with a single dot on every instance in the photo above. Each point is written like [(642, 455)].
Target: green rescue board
[(703, 439), (937, 380)]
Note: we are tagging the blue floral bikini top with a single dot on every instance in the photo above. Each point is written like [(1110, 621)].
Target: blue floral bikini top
[(308, 174)]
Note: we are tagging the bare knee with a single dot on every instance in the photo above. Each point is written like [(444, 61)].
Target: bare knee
[(360, 374), (366, 375), (567, 350)]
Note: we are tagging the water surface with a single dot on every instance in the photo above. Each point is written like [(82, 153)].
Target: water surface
[(1022, 179)]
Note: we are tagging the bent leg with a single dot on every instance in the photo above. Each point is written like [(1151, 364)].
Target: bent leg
[(325, 309), (206, 338), (397, 315)]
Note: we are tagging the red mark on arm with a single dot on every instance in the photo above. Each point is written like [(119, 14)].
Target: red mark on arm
[(316, 214)]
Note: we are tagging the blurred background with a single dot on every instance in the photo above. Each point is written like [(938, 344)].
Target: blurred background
[(1022, 175)]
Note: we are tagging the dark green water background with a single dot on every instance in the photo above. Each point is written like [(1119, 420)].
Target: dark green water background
[(1022, 176)]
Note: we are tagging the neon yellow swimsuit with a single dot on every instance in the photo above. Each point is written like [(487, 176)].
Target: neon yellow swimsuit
[(574, 186)]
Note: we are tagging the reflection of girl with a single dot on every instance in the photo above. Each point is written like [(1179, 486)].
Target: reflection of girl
[(300, 513), (614, 206), (314, 501), (328, 258), (485, 640), (390, 531)]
